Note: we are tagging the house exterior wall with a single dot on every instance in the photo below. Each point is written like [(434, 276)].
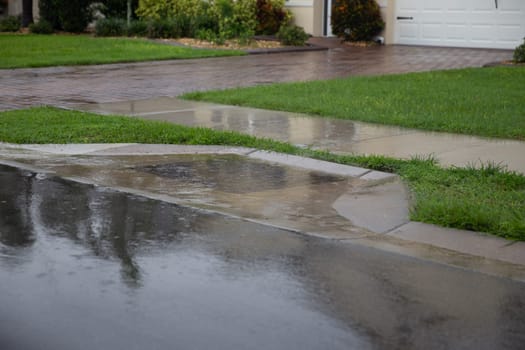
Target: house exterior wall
[(14, 8), (310, 14), (319, 8), (388, 14), (303, 14)]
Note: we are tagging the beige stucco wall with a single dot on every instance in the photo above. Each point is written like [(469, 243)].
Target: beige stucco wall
[(318, 17), (14, 8), (303, 16), (310, 16), (388, 13)]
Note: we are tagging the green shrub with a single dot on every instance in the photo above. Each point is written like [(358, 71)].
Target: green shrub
[(519, 53), (190, 16), (154, 9), (162, 9), (48, 10), (69, 15), (110, 27), (206, 20), (292, 35), (271, 15), (186, 24), (75, 15), (137, 28), (220, 19), (41, 27), (118, 8), (206, 34), (10, 24), (163, 28), (356, 20), (236, 18)]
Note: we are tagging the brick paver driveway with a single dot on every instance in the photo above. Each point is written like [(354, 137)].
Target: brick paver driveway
[(67, 86)]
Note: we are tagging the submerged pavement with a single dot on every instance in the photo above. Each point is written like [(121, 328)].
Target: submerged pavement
[(86, 267), (301, 195), (335, 135)]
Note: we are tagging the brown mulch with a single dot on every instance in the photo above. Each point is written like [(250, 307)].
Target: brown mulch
[(229, 44)]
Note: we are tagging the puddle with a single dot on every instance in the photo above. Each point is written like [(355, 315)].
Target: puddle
[(235, 174), (258, 190), (84, 267)]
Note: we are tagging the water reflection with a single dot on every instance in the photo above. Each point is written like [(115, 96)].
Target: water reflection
[(234, 174), (109, 270), (15, 221), (111, 225)]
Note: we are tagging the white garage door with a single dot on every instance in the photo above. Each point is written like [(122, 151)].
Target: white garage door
[(464, 23)]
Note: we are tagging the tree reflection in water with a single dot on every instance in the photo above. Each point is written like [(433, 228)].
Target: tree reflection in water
[(111, 225)]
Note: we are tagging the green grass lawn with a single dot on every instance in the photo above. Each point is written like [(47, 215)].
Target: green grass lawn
[(491, 200), (21, 50), (478, 101)]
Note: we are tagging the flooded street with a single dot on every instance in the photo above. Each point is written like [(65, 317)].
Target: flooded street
[(84, 267)]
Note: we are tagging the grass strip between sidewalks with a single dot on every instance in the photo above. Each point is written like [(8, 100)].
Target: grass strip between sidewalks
[(490, 199), (26, 50), (475, 101)]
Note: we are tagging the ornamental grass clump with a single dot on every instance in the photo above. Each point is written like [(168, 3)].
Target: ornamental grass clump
[(356, 20)]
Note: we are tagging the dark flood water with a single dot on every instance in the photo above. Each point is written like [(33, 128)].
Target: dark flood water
[(88, 268)]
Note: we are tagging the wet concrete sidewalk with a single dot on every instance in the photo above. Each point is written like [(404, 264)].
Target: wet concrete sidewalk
[(306, 196), (335, 135)]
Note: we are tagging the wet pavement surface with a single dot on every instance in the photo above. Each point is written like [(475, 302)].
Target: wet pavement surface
[(85, 267), (304, 200), (68, 86), (163, 251), (335, 135), (303, 195)]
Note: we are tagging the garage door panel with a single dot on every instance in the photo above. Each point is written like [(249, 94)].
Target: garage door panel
[(431, 31), (456, 7), (407, 5), (483, 6), (468, 23), (408, 31), (482, 33), (511, 5), (508, 33), (454, 32)]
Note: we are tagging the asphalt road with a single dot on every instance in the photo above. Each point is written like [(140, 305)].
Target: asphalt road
[(85, 267)]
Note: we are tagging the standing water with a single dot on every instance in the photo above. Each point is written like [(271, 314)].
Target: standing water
[(84, 267)]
